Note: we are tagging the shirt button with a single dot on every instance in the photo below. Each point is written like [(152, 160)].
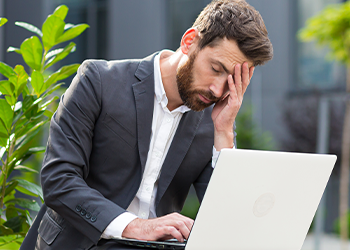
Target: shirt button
[(148, 189), (143, 215), (168, 120)]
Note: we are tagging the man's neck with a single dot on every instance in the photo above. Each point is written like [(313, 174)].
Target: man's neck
[(169, 62)]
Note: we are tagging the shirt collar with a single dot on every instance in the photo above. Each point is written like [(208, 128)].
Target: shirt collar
[(159, 87)]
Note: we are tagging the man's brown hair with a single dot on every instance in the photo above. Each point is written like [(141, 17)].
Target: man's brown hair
[(236, 20)]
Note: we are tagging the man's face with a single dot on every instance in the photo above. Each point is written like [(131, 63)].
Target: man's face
[(202, 79)]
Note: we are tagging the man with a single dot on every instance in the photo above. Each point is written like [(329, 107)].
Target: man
[(130, 137)]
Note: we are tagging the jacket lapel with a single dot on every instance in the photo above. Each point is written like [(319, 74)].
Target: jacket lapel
[(144, 101), (182, 141)]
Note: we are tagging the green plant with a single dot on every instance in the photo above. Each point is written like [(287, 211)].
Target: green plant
[(249, 135), (24, 109), (331, 27)]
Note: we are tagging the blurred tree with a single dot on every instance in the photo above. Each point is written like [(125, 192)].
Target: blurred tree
[(331, 28), (249, 136)]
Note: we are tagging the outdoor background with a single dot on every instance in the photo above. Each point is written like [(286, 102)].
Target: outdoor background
[(280, 109)]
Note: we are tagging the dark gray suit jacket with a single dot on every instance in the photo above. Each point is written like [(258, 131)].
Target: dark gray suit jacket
[(97, 149)]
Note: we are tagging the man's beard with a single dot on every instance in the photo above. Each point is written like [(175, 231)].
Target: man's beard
[(188, 94)]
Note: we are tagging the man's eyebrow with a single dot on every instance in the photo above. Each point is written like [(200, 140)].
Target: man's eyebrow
[(223, 66)]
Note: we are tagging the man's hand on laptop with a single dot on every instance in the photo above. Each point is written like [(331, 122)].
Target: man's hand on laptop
[(166, 227)]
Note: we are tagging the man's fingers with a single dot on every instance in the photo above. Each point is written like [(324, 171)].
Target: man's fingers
[(166, 227), (183, 224), (251, 72), (232, 87), (238, 79), (183, 229), (170, 231), (245, 77)]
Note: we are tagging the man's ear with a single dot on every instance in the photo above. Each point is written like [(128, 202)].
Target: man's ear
[(188, 39)]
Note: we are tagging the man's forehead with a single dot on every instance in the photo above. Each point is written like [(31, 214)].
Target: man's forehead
[(227, 53)]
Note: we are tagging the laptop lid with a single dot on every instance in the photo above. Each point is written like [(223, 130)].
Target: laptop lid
[(260, 200)]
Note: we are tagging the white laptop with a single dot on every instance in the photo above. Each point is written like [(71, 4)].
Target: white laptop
[(257, 200)]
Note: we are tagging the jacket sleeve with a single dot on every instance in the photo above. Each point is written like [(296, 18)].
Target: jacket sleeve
[(66, 161), (201, 184)]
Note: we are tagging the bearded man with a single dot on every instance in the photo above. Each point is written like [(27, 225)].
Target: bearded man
[(130, 137)]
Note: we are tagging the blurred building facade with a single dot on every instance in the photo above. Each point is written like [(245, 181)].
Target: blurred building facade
[(122, 29)]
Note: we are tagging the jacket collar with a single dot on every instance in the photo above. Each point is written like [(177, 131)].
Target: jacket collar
[(185, 133), (144, 101)]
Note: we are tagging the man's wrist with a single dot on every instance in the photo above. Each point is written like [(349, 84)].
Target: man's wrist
[(223, 140), (132, 229), (118, 225)]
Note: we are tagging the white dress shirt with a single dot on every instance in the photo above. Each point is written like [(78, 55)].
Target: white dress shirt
[(164, 125)]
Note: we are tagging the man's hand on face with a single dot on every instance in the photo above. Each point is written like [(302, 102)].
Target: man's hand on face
[(163, 228), (226, 110)]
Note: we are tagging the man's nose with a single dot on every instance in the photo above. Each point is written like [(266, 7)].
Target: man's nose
[(219, 89)]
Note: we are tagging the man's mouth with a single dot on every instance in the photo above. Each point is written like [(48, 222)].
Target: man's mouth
[(204, 99)]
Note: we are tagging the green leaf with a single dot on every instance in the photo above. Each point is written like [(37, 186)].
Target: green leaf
[(20, 79), (16, 223), (11, 212), (43, 106), (18, 106), (61, 74), (72, 33), (27, 102), (7, 88), (29, 188), (52, 89), (53, 53), (65, 52), (3, 143), (61, 12), (6, 70), (48, 114), (30, 27), (32, 111), (11, 100), (37, 82), (25, 91), (10, 187), (32, 52), (13, 49), (52, 79), (5, 230), (24, 168), (7, 242), (67, 71), (37, 150), (10, 196), (25, 203), (23, 143), (68, 26), (27, 215), (6, 114), (3, 20), (2, 152), (52, 29)]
